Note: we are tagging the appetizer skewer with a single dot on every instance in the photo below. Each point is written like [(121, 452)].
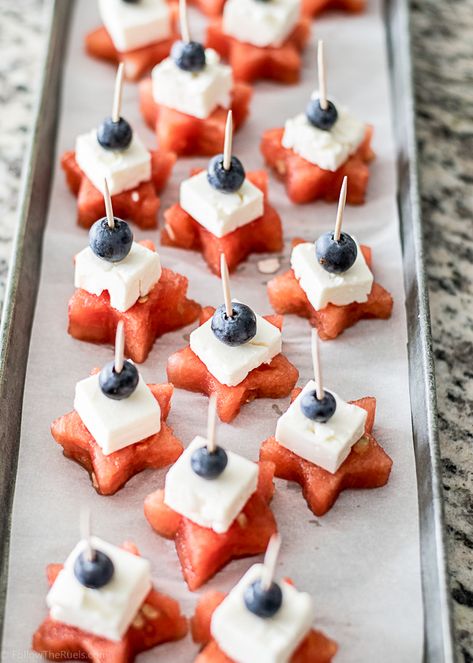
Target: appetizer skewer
[(224, 211), (214, 505), (236, 356)]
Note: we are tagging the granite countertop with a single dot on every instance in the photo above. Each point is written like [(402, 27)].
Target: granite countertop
[(443, 64)]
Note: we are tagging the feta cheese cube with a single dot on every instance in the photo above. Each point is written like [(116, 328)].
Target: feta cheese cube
[(326, 445), (231, 364), (326, 149), (124, 170), (220, 213), (125, 281), (261, 23), (134, 25), (322, 287), (246, 638), (194, 93), (210, 503), (108, 611), (117, 424)]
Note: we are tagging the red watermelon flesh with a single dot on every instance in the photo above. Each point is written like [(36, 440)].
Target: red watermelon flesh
[(306, 182), (159, 620), (367, 466), (187, 135), (259, 236), (209, 7), (165, 308), (201, 551), (139, 205), (315, 7), (315, 648), (275, 380), (287, 296), (250, 63), (110, 473), (137, 62)]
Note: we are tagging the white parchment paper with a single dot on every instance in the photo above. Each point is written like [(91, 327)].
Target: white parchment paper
[(361, 560)]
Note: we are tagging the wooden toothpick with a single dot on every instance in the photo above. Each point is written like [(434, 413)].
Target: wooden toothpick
[(185, 35), (270, 561), (341, 208), (227, 147), (85, 532), (314, 346), (211, 424), (321, 73), (227, 297), (108, 205), (117, 95), (119, 347)]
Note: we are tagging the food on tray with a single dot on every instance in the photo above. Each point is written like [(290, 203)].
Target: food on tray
[(234, 354), (118, 425), (261, 619), (103, 607), (137, 33), (188, 96), (330, 282), (326, 444), (214, 505), (317, 149), (115, 153), (225, 211), (261, 39), (118, 279)]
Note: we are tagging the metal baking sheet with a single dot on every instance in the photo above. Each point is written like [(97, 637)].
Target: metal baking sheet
[(16, 326)]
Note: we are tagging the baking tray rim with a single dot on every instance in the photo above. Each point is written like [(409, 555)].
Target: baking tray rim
[(18, 312)]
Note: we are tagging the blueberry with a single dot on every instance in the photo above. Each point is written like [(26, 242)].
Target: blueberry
[(227, 181), (111, 244), (237, 329), (263, 602), (336, 256), (320, 118), (318, 410), (188, 55), (209, 464), (114, 135), (95, 572), (118, 385)]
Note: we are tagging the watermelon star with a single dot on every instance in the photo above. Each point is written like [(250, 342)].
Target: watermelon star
[(159, 620), (110, 472), (315, 648), (315, 7), (287, 296), (201, 551), (249, 62), (275, 380), (140, 204), (263, 235), (367, 466)]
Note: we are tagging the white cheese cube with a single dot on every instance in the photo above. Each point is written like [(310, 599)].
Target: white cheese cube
[(123, 169), (133, 25), (246, 638), (261, 23), (211, 503), (220, 213), (117, 424), (326, 149), (108, 611), (125, 281), (194, 93), (230, 365), (326, 445), (322, 287)]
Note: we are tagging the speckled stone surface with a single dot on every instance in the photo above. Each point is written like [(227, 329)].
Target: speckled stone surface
[(443, 61)]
